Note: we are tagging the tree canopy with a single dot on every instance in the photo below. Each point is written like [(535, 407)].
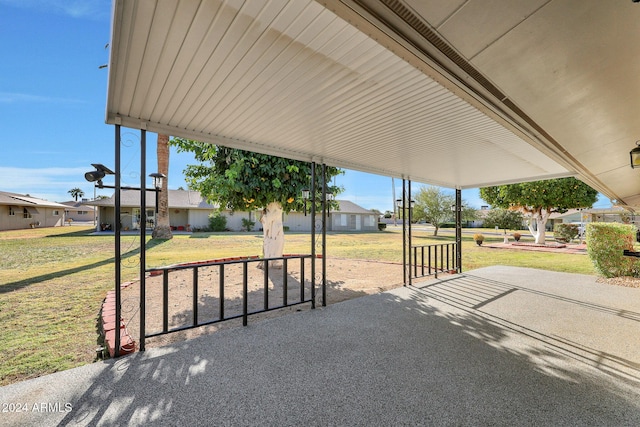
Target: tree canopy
[(433, 205), (242, 180), (539, 199), (75, 193), (245, 181), (504, 219)]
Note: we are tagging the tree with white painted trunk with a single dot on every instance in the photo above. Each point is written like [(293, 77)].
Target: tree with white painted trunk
[(245, 181), (539, 199)]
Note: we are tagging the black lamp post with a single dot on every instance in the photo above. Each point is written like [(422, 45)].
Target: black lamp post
[(157, 184), (305, 197)]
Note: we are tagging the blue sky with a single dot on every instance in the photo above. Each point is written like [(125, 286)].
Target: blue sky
[(52, 108)]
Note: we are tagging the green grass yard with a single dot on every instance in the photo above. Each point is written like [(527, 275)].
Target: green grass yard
[(53, 280)]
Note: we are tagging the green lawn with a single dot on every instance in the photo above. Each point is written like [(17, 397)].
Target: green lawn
[(53, 280)]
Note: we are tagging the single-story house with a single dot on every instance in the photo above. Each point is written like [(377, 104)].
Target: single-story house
[(19, 211), (583, 216), (79, 211), (348, 217), (188, 211)]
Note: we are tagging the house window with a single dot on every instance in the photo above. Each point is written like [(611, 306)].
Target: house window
[(12, 211), (26, 214), (56, 213), (82, 212)]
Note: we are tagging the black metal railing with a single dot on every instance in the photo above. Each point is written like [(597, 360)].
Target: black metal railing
[(305, 293), (430, 260)]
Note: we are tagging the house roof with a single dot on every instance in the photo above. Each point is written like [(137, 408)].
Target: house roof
[(347, 206), (14, 199), (73, 205), (453, 93), (178, 199), (593, 211), (187, 199)]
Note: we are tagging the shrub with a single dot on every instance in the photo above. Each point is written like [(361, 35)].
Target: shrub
[(217, 222), (382, 226), (247, 224), (517, 236), (565, 232), (605, 244)]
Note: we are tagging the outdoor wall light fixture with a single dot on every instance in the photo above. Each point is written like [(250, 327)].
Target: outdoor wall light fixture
[(635, 156), (98, 174)]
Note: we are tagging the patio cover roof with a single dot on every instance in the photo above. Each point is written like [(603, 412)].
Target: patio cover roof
[(462, 93)]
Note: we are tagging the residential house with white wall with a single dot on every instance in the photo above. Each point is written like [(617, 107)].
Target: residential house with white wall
[(188, 211), (18, 211)]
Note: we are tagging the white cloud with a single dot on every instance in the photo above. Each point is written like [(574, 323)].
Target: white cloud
[(13, 97), (47, 183)]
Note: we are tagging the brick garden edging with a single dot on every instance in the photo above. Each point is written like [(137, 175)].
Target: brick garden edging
[(108, 324)]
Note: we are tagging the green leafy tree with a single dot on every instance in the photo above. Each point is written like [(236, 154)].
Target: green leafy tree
[(433, 205), (246, 181), (504, 219), (539, 199), (75, 193)]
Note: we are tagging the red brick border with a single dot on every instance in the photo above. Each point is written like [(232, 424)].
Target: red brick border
[(108, 322)]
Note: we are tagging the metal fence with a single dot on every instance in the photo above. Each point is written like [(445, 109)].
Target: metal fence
[(272, 297), (430, 260)]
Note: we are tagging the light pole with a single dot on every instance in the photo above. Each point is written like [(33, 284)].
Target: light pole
[(157, 184)]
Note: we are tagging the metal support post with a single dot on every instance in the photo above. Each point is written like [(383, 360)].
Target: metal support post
[(313, 234), (409, 235), (143, 221), (324, 235), (458, 230), (404, 234), (118, 254)]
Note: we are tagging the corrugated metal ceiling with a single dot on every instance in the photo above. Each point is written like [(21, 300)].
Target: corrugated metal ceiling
[(294, 79)]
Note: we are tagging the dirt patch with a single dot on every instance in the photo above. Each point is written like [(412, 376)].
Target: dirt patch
[(346, 279), (629, 282)]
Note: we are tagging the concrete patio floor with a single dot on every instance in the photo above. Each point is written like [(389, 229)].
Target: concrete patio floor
[(493, 346)]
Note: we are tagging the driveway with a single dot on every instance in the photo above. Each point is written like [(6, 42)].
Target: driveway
[(494, 346)]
